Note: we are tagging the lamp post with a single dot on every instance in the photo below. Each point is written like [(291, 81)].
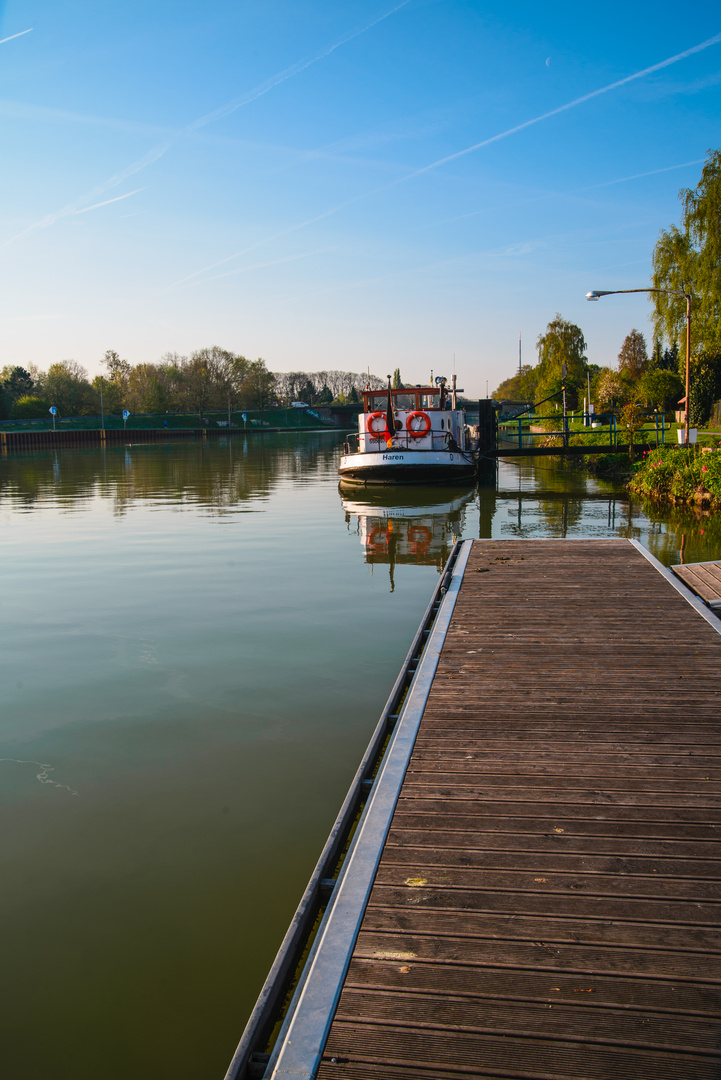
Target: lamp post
[(596, 294)]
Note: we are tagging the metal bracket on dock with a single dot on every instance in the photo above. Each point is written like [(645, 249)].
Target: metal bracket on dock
[(257, 1064), (327, 885)]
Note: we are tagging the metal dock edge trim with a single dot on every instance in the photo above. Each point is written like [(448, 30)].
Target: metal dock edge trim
[(262, 1018), (680, 586), (299, 1049)]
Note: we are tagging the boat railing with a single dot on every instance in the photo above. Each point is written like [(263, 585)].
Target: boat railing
[(401, 440)]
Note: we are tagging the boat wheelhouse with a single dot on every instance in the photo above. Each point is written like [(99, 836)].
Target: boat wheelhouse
[(416, 435)]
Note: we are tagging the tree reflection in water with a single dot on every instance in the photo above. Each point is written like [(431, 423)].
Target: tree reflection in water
[(218, 475)]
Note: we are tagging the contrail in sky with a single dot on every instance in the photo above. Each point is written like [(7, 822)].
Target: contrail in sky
[(218, 114), (564, 108), (269, 239), (573, 191), (271, 262), (13, 36), (107, 202), (282, 76), (462, 153), (641, 175)]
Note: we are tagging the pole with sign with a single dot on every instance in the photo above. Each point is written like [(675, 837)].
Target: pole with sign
[(245, 417), (53, 410), (126, 414)]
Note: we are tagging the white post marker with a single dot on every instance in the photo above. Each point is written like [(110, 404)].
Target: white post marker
[(53, 410), (126, 414)]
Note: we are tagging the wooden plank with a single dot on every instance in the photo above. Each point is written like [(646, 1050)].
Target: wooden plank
[(703, 578), (449, 1011), (459, 838), (547, 903), (548, 931), (606, 959), (471, 858), (461, 1051), (484, 985)]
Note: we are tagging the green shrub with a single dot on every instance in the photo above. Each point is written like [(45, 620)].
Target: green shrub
[(662, 390), (30, 408)]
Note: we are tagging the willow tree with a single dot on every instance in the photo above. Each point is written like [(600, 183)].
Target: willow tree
[(563, 343), (688, 258)]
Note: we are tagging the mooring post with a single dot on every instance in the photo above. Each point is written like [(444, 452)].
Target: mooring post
[(487, 426)]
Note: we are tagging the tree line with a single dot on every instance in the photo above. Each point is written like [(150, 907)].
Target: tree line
[(686, 258), (652, 381), (210, 379)]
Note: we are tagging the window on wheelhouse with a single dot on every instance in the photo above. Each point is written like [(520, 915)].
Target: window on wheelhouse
[(410, 399)]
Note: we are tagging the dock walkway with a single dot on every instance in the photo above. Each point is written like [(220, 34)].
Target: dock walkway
[(546, 903)]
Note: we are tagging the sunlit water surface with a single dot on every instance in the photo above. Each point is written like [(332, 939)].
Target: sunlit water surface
[(197, 641)]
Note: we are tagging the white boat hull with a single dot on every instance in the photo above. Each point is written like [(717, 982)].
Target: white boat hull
[(401, 466)]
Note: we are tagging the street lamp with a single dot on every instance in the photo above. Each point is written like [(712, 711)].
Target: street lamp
[(596, 294)]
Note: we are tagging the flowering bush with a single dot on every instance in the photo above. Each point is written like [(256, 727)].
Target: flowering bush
[(672, 470)]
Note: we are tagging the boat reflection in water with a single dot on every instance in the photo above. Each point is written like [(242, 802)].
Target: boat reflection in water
[(412, 525)]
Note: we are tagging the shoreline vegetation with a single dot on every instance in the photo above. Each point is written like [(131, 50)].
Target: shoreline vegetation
[(676, 475), (669, 474)]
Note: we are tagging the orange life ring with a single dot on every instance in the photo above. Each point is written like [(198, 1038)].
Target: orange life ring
[(418, 433), (373, 432), (419, 537), (378, 538)]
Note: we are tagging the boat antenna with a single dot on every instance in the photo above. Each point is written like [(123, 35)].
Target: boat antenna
[(519, 352)]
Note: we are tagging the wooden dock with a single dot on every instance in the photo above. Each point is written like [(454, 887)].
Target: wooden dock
[(544, 899), (704, 579)]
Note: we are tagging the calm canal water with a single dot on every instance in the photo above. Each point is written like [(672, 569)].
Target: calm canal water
[(197, 641)]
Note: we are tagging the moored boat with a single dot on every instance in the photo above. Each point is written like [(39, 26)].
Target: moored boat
[(415, 435)]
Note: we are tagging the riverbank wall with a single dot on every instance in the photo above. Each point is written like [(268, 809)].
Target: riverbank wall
[(36, 440)]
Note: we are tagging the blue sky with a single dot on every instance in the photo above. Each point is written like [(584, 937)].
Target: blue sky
[(296, 180)]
